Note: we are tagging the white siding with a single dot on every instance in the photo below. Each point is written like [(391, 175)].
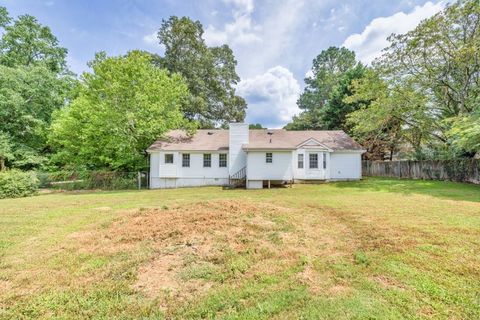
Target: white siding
[(198, 171), (345, 166), (279, 169), (299, 173), (311, 174), (255, 184), (168, 169), (174, 175), (154, 166), (238, 136)]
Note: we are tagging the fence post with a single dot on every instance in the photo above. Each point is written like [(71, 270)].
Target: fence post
[(139, 180)]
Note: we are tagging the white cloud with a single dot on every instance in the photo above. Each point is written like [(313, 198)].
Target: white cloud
[(151, 38), (239, 32), (369, 44), (272, 97)]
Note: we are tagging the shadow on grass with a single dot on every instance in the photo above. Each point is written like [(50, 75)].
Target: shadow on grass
[(440, 189)]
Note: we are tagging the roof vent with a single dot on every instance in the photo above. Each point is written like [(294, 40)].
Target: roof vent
[(210, 133), (270, 133)]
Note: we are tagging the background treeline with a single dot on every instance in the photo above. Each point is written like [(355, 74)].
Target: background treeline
[(106, 118), (419, 100)]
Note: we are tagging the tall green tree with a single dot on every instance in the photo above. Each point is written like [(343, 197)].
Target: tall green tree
[(333, 114), (208, 71), (34, 82), (322, 100), (327, 70), (26, 42), (122, 106)]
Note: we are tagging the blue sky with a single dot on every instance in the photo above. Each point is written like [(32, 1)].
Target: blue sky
[(273, 41)]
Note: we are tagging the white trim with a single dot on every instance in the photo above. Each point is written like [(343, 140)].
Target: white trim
[(349, 151), (319, 144)]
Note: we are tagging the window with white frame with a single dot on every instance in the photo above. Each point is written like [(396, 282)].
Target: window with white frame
[(207, 160), (300, 161), (222, 160), (324, 160), (169, 158), (269, 157), (313, 160), (186, 160)]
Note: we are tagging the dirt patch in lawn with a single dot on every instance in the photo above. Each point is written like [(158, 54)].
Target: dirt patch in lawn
[(193, 246)]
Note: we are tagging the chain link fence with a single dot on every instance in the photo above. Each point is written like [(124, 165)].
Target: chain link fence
[(105, 180)]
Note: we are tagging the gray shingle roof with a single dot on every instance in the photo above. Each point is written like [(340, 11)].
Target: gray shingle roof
[(216, 140)]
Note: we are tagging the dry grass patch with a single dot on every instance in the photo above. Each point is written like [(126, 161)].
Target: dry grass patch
[(194, 246)]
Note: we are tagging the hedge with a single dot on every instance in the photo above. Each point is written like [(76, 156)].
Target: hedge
[(16, 183)]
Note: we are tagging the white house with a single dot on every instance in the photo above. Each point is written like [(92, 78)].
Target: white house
[(254, 158)]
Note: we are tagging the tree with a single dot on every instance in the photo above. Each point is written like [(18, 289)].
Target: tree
[(5, 150), (33, 83), (26, 43), (28, 97), (4, 18), (465, 135), (432, 77), (328, 67), (124, 105), (255, 126), (375, 123), (332, 71), (333, 115), (209, 73)]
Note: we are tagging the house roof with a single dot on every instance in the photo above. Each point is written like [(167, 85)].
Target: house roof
[(277, 139)]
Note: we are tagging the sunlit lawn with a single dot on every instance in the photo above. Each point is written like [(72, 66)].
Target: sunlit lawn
[(378, 248)]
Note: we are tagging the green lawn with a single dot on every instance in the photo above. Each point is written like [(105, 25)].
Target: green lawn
[(377, 249)]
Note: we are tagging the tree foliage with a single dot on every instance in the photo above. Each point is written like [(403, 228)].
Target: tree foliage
[(255, 126), (430, 84), (33, 83), (328, 67), (208, 71), (124, 105), (26, 43), (322, 101)]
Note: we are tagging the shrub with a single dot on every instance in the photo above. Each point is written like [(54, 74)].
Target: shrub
[(82, 180), (16, 183)]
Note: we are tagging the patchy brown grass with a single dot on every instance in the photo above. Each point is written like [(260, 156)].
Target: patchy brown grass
[(305, 252), (184, 238)]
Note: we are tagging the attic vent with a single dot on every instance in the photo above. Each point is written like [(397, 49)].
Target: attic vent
[(209, 133)]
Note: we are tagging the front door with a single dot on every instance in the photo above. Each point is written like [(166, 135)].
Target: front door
[(316, 166)]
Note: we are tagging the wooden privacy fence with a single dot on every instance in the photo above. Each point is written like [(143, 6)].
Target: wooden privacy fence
[(465, 170)]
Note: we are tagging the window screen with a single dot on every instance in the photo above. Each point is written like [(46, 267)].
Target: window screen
[(324, 160)]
